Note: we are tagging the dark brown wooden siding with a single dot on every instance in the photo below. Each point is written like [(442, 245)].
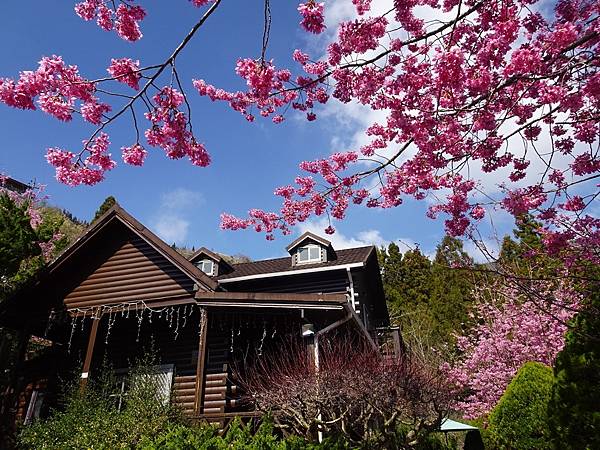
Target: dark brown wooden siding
[(334, 281), (135, 271)]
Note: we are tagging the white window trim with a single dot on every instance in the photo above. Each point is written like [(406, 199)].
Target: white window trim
[(309, 260), (200, 264)]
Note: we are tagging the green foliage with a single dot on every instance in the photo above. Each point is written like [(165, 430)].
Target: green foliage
[(59, 221), (20, 252), (574, 410), (431, 299), (18, 240), (451, 289), (519, 420), (92, 420), (406, 281), (108, 203)]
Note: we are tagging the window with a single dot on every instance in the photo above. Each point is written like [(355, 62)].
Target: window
[(207, 266), (309, 253), (157, 378)]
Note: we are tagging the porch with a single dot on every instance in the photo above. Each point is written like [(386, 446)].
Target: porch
[(201, 347)]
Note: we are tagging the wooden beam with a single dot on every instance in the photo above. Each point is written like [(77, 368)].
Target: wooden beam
[(201, 360), (90, 351), (337, 299)]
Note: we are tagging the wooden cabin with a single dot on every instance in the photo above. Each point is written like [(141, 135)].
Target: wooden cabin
[(120, 291)]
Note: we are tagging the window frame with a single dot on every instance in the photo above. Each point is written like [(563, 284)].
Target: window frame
[(200, 265), (308, 248)]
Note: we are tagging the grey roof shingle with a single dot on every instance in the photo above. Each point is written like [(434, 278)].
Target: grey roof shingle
[(346, 256)]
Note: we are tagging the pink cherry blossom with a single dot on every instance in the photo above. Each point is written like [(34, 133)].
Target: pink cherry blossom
[(126, 71), (511, 331), (134, 155), (312, 16)]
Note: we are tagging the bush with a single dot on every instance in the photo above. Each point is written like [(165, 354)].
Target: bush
[(519, 420), (91, 419), (238, 436)]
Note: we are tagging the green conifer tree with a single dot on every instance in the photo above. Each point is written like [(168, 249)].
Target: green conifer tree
[(574, 409), (451, 289), (108, 203)]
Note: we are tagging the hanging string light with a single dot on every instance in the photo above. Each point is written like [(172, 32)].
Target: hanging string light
[(175, 316)]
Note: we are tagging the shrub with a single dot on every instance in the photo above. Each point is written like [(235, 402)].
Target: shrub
[(519, 420), (238, 436), (91, 419)]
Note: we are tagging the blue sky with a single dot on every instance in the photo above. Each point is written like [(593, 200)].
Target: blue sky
[(180, 202)]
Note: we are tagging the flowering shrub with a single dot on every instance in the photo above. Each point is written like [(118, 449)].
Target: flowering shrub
[(512, 330)]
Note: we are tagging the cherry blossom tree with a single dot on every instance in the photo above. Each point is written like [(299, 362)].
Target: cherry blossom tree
[(466, 88), (512, 329)]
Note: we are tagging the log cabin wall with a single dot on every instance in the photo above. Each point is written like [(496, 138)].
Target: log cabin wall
[(128, 270), (335, 281), (162, 340)]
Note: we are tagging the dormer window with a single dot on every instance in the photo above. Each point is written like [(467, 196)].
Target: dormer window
[(309, 249), (207, 266), (209, 262), (309, 253)]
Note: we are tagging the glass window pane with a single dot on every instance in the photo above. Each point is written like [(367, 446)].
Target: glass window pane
[(303, 254), (206, 266), (315, 253)]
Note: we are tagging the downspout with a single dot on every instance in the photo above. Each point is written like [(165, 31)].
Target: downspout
[(327, 329), (318, 334), (351, 288)]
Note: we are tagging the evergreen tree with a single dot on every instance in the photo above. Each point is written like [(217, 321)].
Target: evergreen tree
[(18, 240), (407, 287), (574, 412), (451, 289), (390, 261), (108, 203), (519, 419)]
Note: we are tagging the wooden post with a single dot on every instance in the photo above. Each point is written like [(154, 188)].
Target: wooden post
[(201, 360), (90, 351)]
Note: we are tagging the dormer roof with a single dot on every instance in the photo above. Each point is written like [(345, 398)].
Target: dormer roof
[(203, 253)]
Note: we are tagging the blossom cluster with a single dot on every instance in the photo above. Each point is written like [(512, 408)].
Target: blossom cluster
[(312, 16), (269, 89), (127, 71), (511, 331), (124, 19), (170, 131), (72, 171), (56, 86)]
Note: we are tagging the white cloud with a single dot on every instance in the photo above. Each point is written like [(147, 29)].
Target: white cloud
[(363, 238), (180, 198), (171, 228), (172, 222)]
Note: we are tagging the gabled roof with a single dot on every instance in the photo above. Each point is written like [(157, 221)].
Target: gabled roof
[(206, 252), (268, 267), (13, 185), (118, 213), (308, 235)]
